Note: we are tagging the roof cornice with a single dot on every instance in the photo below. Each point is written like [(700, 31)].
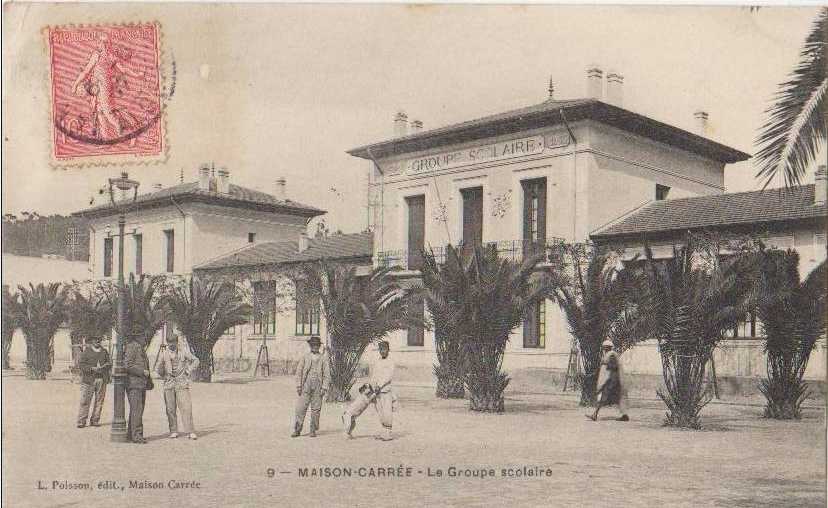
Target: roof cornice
[(548, 114)]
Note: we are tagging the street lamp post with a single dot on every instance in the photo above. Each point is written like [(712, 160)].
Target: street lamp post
[(119, 426)]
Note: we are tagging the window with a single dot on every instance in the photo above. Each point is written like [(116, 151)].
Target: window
[(251, 237), (169, 240), (661, 192), (534, 327), (415, 335), (472, 217), (139, 254), (416, 231), (534, 213), (107, 257), (749, 328), (307, 310), (230, 331), (264, 309)]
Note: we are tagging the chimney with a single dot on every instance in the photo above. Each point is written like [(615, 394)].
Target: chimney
[(701, 122), (416, 126), (820, 189), (551, 89), (281, 189), (615, 88), (303, 242), (157, 187), (223, 181), (595, 85), (204, 177), (400, 124)]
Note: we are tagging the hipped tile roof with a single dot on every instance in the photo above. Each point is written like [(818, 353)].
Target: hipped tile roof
[(721, 210), (237, 196), (350, 246)]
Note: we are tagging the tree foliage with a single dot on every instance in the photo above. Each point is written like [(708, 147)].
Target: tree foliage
[(793, 314), (41, 309), (690, 301), (11, 322), (796, 128), (202, 310), (359, 310), (598, 299)]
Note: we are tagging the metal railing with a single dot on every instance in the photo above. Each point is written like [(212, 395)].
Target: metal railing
[(549, 249)]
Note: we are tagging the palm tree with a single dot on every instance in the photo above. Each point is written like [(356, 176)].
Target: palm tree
[(793, 316), (691, 300), (358, 311), (796, 128), (91, 315), (488, 299), (598, 301), (146, 309), (11, 322), (42, 309), (203, 310), (444, 290)]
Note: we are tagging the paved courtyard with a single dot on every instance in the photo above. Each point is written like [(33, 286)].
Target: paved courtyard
[(740, 460)]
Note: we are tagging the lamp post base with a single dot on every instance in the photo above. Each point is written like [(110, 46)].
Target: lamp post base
[(118, 432)]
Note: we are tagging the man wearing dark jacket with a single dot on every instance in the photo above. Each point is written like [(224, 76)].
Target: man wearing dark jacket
[(94, 365), (138, 381)]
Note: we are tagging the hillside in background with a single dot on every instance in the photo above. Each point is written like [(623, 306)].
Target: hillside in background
[(31, 234)]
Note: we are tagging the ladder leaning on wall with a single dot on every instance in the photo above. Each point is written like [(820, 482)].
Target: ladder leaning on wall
[(573, 367)]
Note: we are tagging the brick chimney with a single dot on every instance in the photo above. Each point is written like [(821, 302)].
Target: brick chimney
[(400, 124), (204, 177), (416, 126), (820, 189), (281, 189), (223, 181), (615, 88), (595, 82), (701, 122)]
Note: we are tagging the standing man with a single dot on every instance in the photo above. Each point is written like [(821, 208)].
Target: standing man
[(382, 373), (94, 365), (174, 367), (313, 378), (609, 388), (138, 382)]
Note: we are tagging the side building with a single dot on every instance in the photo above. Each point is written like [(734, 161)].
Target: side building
[(523, 179), (170, 231), (793, 219)]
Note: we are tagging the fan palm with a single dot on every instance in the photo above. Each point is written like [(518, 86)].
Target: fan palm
[(358, 311), (796, 128), (690, 307), (41, 309), (598, 303), (11, 322), (203, 310), (793, 315)]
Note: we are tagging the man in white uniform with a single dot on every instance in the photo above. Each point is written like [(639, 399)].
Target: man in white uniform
[(382, 373)]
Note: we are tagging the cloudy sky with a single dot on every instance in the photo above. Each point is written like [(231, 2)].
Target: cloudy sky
[(284, 90)]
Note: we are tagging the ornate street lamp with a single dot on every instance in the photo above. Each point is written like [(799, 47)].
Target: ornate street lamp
[(124, 185)]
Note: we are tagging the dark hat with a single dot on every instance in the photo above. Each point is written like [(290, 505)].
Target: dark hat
[(384, 343), (315, 341)]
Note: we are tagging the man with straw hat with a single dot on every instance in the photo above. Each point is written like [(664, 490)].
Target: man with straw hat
[(313, 379), (609, 388)]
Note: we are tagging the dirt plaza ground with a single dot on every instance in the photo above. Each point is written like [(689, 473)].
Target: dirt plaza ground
[(244, 456)]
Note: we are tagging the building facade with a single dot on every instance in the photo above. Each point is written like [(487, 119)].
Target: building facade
[(784, 219), (556, 171)]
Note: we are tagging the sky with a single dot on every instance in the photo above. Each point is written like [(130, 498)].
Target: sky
[(271, 91)]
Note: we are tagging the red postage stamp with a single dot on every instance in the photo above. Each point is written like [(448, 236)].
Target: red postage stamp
[(106, 92)]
